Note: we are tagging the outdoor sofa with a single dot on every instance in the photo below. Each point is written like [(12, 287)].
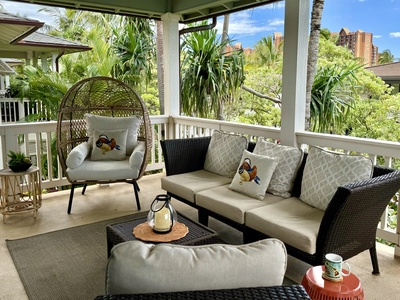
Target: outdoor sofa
[(346, 226)]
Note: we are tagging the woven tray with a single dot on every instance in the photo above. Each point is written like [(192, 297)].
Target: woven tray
[(144, 232)]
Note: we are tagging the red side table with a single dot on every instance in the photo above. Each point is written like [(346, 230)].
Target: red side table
[(318, 288)]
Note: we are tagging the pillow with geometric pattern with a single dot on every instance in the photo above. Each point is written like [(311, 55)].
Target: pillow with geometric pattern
[(109, 145), (289, 160), (325, 171), (224, 153)]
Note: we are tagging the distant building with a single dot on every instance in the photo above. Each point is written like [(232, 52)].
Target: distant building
[(360, 43), (277, 39), (238, 46), (389, 73)]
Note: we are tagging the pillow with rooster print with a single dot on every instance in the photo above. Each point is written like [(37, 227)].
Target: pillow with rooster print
[(109, 145), (132, 124), (253, 175)]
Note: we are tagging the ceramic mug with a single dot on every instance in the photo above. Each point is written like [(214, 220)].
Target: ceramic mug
[(334, 267)]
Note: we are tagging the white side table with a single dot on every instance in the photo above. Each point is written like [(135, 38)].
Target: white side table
[(20, 191)]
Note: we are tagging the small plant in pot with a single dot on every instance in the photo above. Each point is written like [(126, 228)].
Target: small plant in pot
[(18, 161)]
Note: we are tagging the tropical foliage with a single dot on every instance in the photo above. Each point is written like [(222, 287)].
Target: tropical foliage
[(332, 97), (211, 78), (386, 57), (210, 75)]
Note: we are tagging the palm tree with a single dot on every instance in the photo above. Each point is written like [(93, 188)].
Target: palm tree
[(210, 76), (313, 45), (386, 57), (266, 53), (70, 23)]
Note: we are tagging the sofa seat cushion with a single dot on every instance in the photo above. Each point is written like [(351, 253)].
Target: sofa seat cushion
[(290, 220), (135, 267), (188, 184), (103, 170), (231, 204)]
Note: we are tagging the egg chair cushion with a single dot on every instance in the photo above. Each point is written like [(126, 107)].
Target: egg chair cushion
[(109, 170)]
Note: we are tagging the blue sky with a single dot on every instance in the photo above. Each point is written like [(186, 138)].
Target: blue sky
[(380, 17)]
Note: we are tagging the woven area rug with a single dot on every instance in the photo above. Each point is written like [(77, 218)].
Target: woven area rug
[(70, 264), (64, 264)]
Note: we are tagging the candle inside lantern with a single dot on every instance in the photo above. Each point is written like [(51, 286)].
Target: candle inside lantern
[(162, 220)]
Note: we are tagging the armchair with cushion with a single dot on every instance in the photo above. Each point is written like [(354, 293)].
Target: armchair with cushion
[(103, 134)]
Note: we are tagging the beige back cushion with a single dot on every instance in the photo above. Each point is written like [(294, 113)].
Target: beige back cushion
[(135, 267)]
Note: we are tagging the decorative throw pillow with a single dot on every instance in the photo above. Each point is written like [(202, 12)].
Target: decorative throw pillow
[(326, 170), (109, 145), (110, 123), (224, 153), (289, 161), (253, 175)]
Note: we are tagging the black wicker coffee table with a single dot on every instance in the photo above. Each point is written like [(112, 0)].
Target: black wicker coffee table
[(122, 232)]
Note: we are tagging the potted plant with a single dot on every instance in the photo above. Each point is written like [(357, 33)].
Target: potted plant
[(18, 161)]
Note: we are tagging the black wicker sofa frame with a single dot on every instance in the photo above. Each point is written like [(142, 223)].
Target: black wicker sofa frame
[(348, 226)]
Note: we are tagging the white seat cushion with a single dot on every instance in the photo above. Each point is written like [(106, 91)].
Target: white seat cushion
[(103, 170), (231, 204), (135, 267), (290, 220), (188, 184)]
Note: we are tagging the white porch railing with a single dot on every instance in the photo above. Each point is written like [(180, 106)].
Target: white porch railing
[(40, 135), (41, 147), (14, 109)]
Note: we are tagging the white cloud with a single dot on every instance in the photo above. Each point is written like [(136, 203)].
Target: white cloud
[(244, 23), (395, 34), (377, 36), (27, 10), (276, 22)]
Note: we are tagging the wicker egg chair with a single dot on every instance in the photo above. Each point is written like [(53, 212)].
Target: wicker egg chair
[(101, 97)]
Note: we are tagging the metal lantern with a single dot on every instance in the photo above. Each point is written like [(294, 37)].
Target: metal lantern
[(162, 216)]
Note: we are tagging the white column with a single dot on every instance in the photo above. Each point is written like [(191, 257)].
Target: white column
[(53, 61), (7, 81), (171, 47), (294, 75), (2, 85), (45, 66)]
